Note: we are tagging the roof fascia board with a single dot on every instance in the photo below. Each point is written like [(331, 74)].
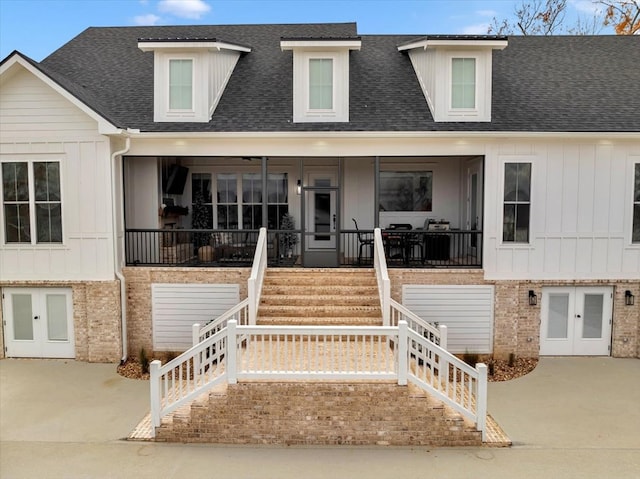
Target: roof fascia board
[(461, 135), (424, 44), (195, 45), (320, 44), (105, 127)]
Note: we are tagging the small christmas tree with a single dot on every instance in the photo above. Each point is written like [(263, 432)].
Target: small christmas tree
[(200, 220), (288, 240)]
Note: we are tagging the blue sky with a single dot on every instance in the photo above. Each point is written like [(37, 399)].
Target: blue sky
[(38, 27)]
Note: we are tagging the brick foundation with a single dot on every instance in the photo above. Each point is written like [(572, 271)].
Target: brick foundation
[(315, 413), (516, 323), (96, 317), (138, 283)]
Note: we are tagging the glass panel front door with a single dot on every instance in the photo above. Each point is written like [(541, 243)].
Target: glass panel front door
[(576, 321), (39, 323), (321, 219)]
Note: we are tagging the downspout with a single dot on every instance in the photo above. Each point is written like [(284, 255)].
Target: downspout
[(117, 268)]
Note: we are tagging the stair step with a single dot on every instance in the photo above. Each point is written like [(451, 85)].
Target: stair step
[(320, 311), (320, 280), (327, 289), (319, 300), (319, 321)]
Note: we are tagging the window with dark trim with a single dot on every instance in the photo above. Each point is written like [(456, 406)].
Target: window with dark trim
[(517, 202), (31, 198), (635, 233), (406, 191)]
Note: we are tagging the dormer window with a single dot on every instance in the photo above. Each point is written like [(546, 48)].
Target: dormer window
[(181, 84), (320, 78), (321, 84), (190, 76), (455, 74), (463, 83)]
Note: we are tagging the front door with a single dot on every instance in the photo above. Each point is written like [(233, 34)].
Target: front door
[(321, 219), (576, 321), (38, 323)]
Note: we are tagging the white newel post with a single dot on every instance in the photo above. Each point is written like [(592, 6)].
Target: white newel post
[(154, 382), (403, 343), (195, 339), (481, 400), (251, 293), (443, 336), (232, 350)]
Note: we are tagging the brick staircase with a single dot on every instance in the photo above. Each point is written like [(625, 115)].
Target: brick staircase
[(316, 412), (318, 297)]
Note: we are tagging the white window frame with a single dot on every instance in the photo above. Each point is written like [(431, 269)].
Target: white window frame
[(32, 204), (199, 104), (301, 99), (168, 91), (502, 202), (308, 87), (473, 109)]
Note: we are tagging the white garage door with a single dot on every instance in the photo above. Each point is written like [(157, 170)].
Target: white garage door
[(467, 311), (176, 307)]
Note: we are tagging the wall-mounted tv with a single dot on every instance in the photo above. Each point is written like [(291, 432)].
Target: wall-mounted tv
[(176, 180)]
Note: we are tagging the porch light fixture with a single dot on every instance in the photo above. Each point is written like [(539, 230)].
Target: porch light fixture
[(629, 299), (533, 299), (299, 187)]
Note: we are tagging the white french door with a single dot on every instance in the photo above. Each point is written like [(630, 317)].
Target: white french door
[(576, 321), (38, 322)]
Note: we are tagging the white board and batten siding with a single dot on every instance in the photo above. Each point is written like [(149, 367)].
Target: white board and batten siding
[(467, 311), (176, 307)]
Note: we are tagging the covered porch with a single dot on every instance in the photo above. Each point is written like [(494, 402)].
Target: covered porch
[(320, 211)]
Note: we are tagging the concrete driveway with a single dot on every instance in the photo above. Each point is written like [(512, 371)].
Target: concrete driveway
[(570, 418)]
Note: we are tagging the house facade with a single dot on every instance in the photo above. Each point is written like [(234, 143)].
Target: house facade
[(139, 163)]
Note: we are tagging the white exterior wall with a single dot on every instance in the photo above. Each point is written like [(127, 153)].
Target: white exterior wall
[(581, 211), (39, 124)]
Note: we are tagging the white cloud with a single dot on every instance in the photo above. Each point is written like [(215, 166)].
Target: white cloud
[(477, 29), (145, 20), (184, 8), (586, 6), (487, 13)]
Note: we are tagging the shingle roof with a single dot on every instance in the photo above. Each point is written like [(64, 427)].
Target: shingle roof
[(546, 84)]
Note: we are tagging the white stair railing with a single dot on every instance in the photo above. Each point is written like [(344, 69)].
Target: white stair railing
[(185, 377), (399, 312), (451, 380), (245, 352), (256, 278), (382, 275)]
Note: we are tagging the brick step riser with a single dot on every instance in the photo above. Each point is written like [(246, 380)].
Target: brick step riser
[(331, 311), (312, 290), (319, 300), (319, 321), (355, 414), (319, 281)]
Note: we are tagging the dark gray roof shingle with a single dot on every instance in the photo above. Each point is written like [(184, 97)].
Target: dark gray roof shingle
[(567, 84)]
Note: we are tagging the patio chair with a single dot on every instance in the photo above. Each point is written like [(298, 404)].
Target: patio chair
[(365, 239)]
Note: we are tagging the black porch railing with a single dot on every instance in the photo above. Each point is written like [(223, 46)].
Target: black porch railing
[(197, 247), (403, 248), (416, 248)]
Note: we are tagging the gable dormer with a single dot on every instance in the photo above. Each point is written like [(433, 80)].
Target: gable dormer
[(455, 74), (190, 76), (320, 77)]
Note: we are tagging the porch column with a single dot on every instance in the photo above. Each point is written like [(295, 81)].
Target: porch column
[(376, 193), (265, 196)]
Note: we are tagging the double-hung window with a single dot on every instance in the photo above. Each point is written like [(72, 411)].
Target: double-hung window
[(463, 83), (635, 234), (180, 84), (32, 202), (320, 83), (517, 202)]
